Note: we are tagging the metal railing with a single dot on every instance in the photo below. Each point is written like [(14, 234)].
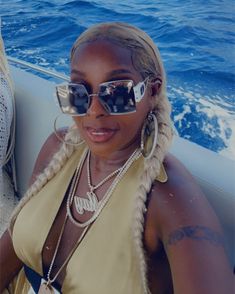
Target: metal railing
[(38, 68)]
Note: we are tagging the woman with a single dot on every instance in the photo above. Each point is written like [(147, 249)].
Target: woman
[(7, 140), (109, 210)]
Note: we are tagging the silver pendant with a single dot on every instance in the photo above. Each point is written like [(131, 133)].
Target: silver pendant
[(86, 204), (45, 289)]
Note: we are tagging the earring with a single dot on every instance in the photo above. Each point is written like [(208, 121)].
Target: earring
[(72, 130), (149, 135)]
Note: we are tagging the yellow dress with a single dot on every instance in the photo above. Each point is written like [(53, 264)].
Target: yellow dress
[(105, 261)]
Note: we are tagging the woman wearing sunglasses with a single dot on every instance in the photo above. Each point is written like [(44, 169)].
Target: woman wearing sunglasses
[(112, 211)]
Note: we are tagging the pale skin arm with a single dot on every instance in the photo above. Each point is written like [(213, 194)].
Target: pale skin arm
[(10, 264), (180, 217)]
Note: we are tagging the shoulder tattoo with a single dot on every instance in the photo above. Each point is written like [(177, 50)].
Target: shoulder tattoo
[(198, 233)]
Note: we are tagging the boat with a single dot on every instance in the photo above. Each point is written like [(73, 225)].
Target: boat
[(35, 114)]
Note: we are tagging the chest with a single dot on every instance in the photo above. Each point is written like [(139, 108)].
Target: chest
[(107, 245), (64, 237)]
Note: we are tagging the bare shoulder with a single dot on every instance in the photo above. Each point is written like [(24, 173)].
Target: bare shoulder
[(179, 202), (180, 219), (49, 148)]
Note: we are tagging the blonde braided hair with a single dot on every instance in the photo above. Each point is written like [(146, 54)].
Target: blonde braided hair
[(147, 61), (57, 162)]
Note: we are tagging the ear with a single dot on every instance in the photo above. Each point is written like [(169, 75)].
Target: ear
[(154, 88), (155, 85)]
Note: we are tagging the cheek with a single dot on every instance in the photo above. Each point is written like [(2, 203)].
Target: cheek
[(143, 108), (133, 124), (137, 121), (78, 122)]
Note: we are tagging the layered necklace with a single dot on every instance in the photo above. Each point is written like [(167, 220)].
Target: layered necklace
[(89, 204)]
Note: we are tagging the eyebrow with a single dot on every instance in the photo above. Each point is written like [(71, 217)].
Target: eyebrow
[(112, 73), (120, 71), (75, 71)]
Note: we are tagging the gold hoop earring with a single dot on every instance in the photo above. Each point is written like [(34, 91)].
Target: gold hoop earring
[(149, 134), (72, 128)]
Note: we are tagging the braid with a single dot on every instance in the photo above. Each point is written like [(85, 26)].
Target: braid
[(151, 171), (55, 165)]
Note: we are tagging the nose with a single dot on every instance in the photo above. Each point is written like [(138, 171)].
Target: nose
[(96, 108)]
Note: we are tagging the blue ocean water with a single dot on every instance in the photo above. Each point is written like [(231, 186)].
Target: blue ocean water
[(196, 40)]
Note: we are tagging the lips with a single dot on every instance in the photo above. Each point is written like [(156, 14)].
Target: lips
[(100, 135)]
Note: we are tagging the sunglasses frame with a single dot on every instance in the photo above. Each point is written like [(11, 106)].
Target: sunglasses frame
[(62, 91)]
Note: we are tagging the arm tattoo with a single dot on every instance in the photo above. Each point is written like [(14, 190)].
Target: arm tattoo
[(198, 233)]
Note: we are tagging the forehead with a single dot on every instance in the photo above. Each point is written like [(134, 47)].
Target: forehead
[(102, 55)]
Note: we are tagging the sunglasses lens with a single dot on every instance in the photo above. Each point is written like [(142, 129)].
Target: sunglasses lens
[(73, 99), (78, 98), (118, 97)]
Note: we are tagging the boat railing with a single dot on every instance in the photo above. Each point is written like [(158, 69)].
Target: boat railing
[(37, 68)]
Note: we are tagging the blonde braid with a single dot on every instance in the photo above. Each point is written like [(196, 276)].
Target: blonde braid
[(151, 171), (58, 160)]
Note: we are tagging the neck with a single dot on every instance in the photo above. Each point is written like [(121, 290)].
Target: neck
[(112, 161)]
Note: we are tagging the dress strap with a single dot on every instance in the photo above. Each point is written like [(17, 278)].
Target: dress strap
[(162, 177)]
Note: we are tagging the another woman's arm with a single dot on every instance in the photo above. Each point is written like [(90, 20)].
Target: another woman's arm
[(191, 234)]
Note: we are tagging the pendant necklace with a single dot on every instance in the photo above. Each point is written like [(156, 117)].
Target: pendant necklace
[(91, 203), (46, 286)]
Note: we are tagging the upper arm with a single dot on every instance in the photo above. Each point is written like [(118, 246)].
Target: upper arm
[(10, 264), (183, 220)]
